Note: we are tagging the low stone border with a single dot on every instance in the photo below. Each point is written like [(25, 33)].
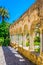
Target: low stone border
[(32, 57)]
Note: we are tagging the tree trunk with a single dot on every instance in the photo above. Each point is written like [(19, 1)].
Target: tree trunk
[(2, 18)]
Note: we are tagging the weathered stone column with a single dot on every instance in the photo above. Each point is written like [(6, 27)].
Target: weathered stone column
[(32, 41), (24, 40), (15, 38), (20, 39), (41, 41), (12, 38)]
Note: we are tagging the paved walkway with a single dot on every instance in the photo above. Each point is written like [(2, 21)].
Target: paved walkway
[(9, 56)]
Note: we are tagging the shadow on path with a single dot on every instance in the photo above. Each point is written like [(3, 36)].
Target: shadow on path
[(12, 57)]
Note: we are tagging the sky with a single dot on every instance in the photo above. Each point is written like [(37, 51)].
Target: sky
[(16, 7)]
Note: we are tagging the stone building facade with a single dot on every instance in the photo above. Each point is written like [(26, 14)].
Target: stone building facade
[(26, 24)]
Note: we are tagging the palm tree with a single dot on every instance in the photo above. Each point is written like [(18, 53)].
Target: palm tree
[(4, 13)]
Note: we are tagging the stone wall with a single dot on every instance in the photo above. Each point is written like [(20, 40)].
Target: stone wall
[(26, 25)]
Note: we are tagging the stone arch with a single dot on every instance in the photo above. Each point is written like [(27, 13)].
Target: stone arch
[(32, 32), (20, 30), (33, 25), (26, 30), (26, 35), (32, 29)]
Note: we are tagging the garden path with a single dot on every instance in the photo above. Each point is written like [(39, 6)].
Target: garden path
[(10, 56)]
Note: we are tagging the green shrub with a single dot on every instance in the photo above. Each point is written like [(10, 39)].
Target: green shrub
[(37, 50), (6, 42), (37, 39), (37, 43), (1, 41), (27, 44)]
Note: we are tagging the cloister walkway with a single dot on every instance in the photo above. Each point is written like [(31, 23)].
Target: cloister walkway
[(10, 56)]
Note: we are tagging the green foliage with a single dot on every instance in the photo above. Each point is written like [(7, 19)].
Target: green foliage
[(4, 33), (27, 43), (37, 50), (37, 39), (4, 27), (7, 41), (37, 43), (1, 41), (4, 13)]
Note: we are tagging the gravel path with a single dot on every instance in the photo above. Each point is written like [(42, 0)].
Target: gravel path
[(9, 56)]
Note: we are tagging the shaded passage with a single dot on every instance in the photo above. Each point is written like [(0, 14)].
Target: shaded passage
[(12, 57)]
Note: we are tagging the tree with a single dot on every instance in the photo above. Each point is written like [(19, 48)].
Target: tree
[(4, 13), (4, 26), (4, 32)]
